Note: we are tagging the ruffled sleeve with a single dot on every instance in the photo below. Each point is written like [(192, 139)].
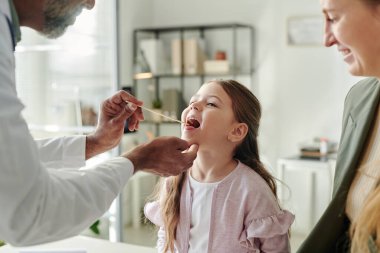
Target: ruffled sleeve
[(152, 211), (268, 234)]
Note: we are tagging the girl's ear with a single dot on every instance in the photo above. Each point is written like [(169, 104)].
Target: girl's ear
[(238, 132)]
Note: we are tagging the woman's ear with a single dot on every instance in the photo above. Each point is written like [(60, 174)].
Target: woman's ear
[(238, 132)]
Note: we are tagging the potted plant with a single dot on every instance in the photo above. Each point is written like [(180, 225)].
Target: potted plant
[(156, 106)]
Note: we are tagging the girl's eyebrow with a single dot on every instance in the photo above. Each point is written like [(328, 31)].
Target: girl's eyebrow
[(214, 96), (325, 11), (208, 96)]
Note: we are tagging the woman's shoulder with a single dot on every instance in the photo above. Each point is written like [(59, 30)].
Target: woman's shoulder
[(362, 89)]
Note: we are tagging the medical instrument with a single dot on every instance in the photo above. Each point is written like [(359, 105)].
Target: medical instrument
[(162, 115), (157, 113)]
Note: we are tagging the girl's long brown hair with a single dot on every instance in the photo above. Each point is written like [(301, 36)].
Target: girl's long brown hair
[(247, 109)]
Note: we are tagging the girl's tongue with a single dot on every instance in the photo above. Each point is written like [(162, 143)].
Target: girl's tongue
[(192, 122)]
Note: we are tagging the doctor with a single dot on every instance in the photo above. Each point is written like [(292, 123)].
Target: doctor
[(43, 195)]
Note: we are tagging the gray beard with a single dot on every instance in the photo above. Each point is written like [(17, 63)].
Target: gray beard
[(58, 17)]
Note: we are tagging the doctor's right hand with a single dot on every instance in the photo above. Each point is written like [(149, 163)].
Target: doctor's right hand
[(114, 112), (163, 156)]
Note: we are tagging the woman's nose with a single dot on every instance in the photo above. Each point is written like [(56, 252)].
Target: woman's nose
[(329, 38)]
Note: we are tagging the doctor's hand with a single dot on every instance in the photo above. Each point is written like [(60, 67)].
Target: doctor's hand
[(163, 156), (113, 114)]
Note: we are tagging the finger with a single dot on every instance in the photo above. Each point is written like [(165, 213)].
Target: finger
[(122, 96), (131, 107), (180, 144), (192, 151), (133, 110), (139, 114), (137, 125), (111, 107), (125, 96), (129, 110), (190, 155), (132, 122), (118, 97)]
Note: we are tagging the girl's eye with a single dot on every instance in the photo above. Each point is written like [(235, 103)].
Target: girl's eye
[(211, 104)]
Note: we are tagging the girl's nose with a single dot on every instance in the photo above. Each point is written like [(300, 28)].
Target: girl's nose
[(194, 106)]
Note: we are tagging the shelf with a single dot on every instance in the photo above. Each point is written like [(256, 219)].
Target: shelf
[(66, 129), (92, 49), (187, 54), (193, 27), (197, 75)]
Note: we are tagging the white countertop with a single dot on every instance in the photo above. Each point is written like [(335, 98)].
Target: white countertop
[(92, 245)]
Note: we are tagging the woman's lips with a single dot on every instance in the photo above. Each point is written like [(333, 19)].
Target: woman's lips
[(347, 54)]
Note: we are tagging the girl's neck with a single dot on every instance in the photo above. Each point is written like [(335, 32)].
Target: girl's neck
[(210, 167)]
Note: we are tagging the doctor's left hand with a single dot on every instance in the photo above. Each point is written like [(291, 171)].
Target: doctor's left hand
[(113, 114)]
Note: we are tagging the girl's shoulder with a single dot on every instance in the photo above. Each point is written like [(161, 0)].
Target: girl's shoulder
[(250, 188), (250, 180), (152, 212)]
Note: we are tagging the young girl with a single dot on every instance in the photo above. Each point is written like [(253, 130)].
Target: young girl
[(227, 201)]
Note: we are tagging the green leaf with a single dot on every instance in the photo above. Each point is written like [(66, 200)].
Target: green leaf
[(94, 227)]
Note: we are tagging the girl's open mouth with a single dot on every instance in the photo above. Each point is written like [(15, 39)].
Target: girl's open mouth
[(193, 123)]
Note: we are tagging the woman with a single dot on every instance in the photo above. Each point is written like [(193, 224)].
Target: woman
[(354, 27)]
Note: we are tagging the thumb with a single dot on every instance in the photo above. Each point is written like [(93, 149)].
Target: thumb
[(192, 150), (129, 109)]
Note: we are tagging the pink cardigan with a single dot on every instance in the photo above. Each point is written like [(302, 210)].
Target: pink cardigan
[(245, 216)]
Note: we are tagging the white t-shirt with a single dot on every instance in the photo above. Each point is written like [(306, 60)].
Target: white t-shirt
[(200, 215)]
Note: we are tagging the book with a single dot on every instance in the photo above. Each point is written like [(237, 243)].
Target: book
[(193, 57), (177, 62), (187, 57), (216, 67), (154, 53)]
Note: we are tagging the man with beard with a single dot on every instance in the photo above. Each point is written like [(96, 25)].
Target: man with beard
[(43, 194)]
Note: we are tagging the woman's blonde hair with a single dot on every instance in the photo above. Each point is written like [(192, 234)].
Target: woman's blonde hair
[(367, 224), (247, 109)]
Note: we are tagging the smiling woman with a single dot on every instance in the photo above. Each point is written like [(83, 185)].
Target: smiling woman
[(354, 27)]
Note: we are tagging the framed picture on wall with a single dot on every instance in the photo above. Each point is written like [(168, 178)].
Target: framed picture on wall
[(305, 30)]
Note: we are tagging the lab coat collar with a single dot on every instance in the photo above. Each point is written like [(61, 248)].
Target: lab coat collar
[(16, 31)]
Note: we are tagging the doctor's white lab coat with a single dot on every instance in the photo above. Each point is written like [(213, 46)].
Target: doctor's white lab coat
[(43, 194)]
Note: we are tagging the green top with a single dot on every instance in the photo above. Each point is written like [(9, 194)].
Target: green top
[(15, 22), (372, 245)]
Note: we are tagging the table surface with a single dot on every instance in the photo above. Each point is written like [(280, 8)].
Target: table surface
[(92, 245)]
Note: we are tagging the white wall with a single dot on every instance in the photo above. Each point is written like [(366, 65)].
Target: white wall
[(302, 89), (133, 14)]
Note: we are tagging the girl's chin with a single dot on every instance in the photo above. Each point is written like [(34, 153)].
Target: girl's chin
[(186, 138), (190, 140)]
